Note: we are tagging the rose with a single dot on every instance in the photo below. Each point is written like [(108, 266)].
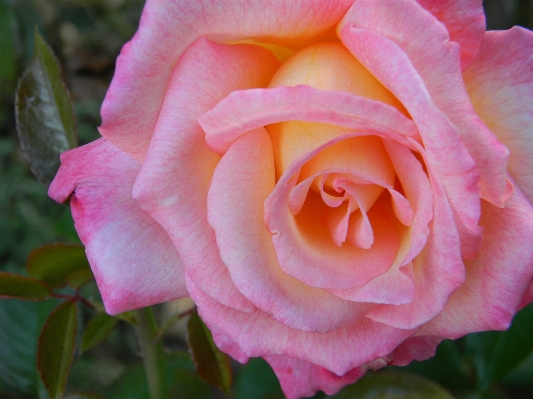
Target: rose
[(331, 202)]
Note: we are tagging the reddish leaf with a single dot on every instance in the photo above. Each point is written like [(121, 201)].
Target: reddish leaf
[(20, 287), (60, 264)]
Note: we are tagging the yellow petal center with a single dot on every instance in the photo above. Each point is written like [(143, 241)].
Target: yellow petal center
[(325, 66)]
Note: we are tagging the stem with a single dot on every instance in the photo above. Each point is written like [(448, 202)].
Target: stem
[(146, 330)]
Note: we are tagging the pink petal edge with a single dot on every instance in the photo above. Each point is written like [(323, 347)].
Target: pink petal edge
[(134, 262)]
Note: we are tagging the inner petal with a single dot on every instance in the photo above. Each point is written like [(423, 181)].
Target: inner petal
[(330, 66), (325, 66), (337, 220), (363, 156), (360, 233)]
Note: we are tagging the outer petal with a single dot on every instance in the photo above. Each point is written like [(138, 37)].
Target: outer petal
[(436, 61), (438, 271), (246, 244), (302, 379), (167, 28), (415, 348), (132, 257), (497, 279), (444, 151), (500, 84), (465, 21), (258, 334), (175, 177)]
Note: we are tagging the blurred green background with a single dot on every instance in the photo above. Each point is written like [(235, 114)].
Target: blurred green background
[(87, 36)]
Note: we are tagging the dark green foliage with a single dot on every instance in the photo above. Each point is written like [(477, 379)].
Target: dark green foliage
[(20, 287), (60, 264), (393, 385), (56, 348), (20, 327), (45, 121), (210, 362)]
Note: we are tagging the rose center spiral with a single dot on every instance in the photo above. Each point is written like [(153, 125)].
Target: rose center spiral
[(350, 175)]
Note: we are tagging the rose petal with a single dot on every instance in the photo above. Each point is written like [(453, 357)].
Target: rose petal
[(133, 259), (337, 220), (174, 179), (302, 379), (465, 21), (362, 156), (226, 345), (497, 278), (418, 192), (425, 43), (438, 272), (246, 245), (415, 348), (500, 84), (395, 286), (444, 151), (402, 208), (258, 334), (306, 252), (242, 111), (146, 65)]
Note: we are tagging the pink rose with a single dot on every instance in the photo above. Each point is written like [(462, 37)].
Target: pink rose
[(339, 185)]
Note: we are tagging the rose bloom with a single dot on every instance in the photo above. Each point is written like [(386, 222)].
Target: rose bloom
[(339, 185)]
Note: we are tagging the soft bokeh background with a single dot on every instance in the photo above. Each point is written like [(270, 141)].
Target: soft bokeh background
[(87, 36)]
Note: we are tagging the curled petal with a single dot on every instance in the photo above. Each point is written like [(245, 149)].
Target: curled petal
[(497, 279), (444, 151), (465, 22), (245, 110), (306, 252), (425, 44), (174, 179), (144, 68), (301, 379), (500, 84), (438, 271), (246, 245), (133, 259), (417, 348)]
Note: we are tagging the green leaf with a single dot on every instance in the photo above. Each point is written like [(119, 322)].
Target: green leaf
[(210, 362), (21, 323), (182, 380), (97, 330), (64, 227), (495, 354), (256, 380), (393, 385), (128, 316), (60, 264), (8, 66), (20, 287), (189, 385), (45, 120), (132, 384), (56, 348)]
